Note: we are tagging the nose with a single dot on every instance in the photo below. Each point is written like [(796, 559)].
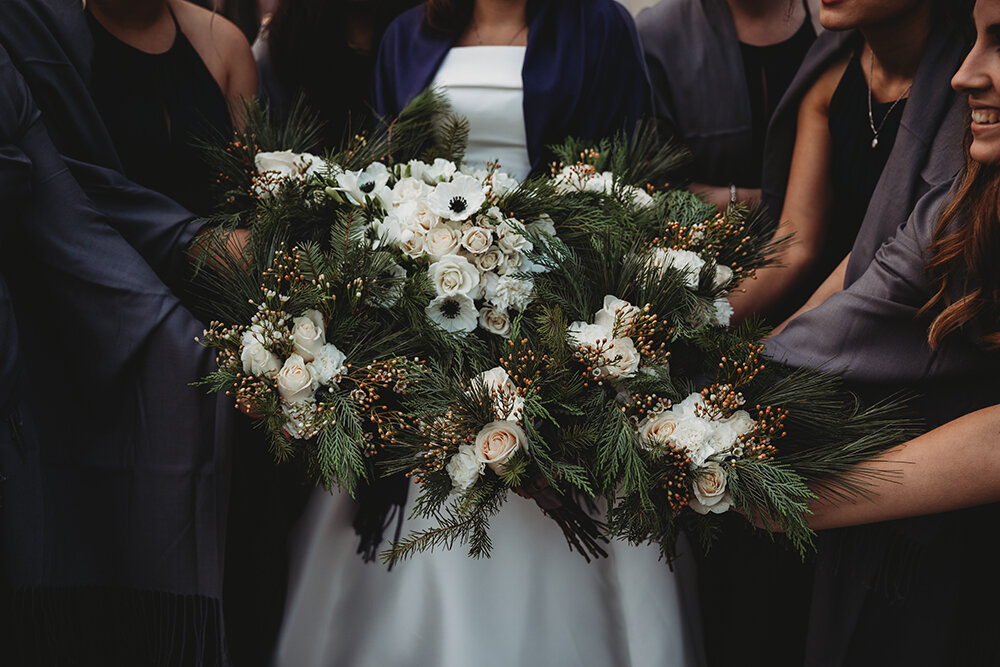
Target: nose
[(973, 75)]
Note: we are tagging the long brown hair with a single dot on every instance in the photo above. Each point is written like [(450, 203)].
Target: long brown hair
[(449, 17), (966, 260)]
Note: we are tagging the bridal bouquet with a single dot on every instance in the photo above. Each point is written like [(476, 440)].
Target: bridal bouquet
[(565, 338)]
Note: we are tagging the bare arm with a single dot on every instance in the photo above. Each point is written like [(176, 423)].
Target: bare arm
[(954, 466), (833, 284), (806, 208)]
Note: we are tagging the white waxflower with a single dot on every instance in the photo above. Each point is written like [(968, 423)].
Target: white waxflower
[(457, 199), (453, 313), (453, 274), (301, 416)]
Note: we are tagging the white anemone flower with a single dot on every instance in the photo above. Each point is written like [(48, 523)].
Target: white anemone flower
[(454, 313), (458, 199), (369, 183)]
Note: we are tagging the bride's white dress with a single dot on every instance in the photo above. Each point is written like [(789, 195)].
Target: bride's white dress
[(534, 602)]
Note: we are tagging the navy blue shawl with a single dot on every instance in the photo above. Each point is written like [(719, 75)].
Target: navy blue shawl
[(584, 74)]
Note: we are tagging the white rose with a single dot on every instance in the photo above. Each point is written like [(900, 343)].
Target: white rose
[(686, 262), (497, 442), (257, 359), (413, 245), (542, 226), (328, 366), (616, 309), (284, 163), (582, 334), (310, 165), (710, 494), (510, 237), (657, 429), (622, 357), (495, 320), (513, 293), (489, 260), (308, 334), (464, 468), (294, 380), (477, 240), (442, 240), (723, 275), (497, 382), (453, 274)]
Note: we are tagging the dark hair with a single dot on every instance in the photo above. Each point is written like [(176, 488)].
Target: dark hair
[(448, 17), (965, 249)]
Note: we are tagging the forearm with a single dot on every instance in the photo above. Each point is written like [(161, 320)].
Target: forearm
[(833, 284), (954, 466), (766, 290)]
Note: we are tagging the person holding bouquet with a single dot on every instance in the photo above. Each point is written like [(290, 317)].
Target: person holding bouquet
[(525, 75), (904, 581)]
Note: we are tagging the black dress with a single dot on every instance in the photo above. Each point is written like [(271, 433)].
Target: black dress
[(157, 106), (856, 165), (769, 70)]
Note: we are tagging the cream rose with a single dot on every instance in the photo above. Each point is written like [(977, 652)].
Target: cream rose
[(256, 358), (495, 320), (622, 358), (294, 380), (497, 442), (442, 240), (710, 493), (452, 275), (308, 334), (489, 260), (616, 309), (477, 240), (657, 429), (464, 468), (510, 239)]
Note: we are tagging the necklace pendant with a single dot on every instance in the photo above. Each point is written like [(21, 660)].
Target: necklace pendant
[(875, 142)]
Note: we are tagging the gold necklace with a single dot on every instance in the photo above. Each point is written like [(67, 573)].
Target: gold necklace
[(479, 38)]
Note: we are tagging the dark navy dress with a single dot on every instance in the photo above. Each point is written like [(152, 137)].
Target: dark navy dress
[(157, 107)]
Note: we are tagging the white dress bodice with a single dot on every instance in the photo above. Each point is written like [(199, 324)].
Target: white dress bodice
[(483, 84)]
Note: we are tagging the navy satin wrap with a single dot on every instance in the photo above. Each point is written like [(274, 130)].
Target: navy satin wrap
[(584, 75)]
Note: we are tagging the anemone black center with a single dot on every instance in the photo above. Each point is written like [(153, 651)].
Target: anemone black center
[(367, 187), (458, 204), (450, 309)]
